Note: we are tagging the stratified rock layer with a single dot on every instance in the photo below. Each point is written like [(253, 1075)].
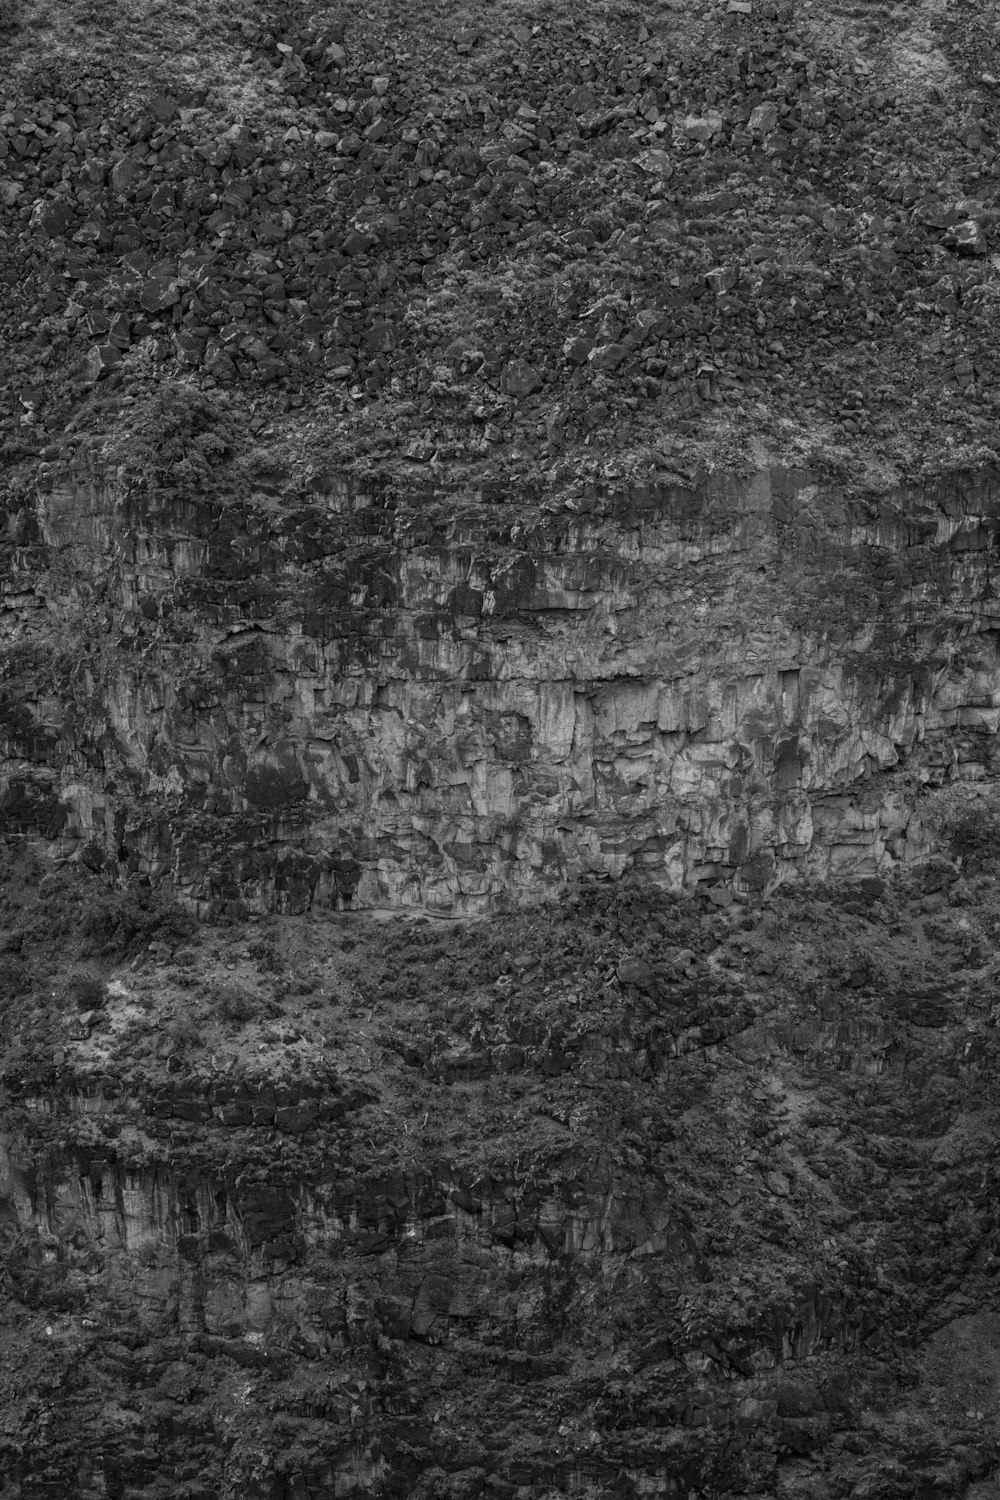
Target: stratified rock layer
[(447, 701)]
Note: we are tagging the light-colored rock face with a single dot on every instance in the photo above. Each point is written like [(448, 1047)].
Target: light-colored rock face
[(429, 704)]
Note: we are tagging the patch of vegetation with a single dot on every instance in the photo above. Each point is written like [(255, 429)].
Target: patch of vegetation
[(967, 819), (237, 1005), (185, 1031), (126, 922), (86, 991), (10, 17), (15, 978), (176, 435), (266, 956)]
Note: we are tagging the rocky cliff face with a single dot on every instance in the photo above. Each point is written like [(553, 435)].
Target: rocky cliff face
[(676, 1175), (534, 468), (632, 1196), (452, 701)]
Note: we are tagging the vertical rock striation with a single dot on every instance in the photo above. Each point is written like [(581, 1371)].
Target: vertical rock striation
[(447, 700)]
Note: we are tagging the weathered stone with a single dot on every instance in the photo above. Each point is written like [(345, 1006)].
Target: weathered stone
[(382, 337), (581, 100), (190, 347), (123, 174), (295, 1118), (968, 238), (162, 108), (703, 127), (159, 293), (607, 356), (119, 331), (100, 359), (764, 118), (219, 364), (577, 350), (635, 971), (656, 163), (520, 379), (53, 219), (271, 231), (356, 243)]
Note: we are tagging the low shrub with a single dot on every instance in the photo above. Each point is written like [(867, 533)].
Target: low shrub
[(86, 991), (15, 977), (118, 924), (237, 1005), (185, 1031), (966, 818), (176, 435)]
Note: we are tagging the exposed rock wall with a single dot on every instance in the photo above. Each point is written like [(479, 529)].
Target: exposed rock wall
[(447, 701), (626, 1196)]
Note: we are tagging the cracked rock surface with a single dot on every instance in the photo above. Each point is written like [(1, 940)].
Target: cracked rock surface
[(343, 696)]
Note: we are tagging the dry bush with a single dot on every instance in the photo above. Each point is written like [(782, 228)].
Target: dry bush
[(86, 992), (237, 1005), (966, 818)]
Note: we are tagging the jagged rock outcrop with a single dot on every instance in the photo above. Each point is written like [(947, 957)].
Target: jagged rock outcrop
[(450, 701)]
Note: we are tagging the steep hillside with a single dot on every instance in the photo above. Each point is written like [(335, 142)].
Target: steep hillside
[(504, 239), (499, 694), (636, 1195)]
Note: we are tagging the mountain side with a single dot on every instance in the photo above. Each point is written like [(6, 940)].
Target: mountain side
[(498, 705), (607, 241), (634, 1194)]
